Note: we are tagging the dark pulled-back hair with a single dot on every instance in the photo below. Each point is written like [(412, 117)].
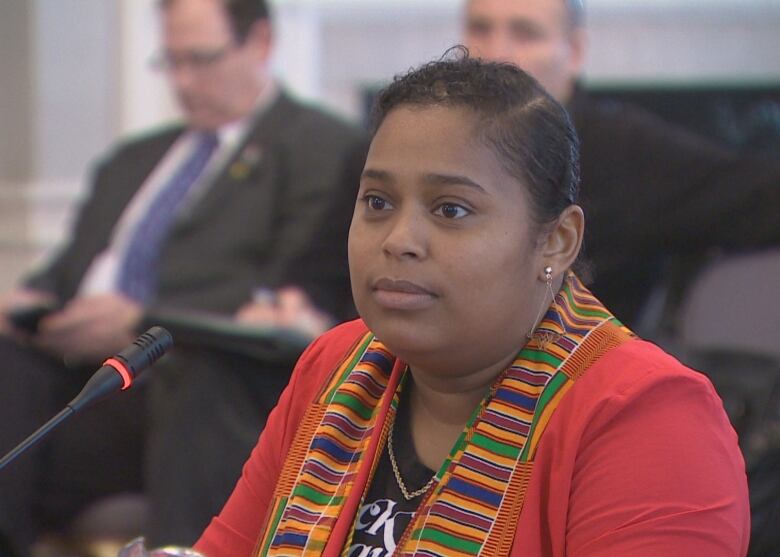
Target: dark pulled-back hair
[(527, 129), (243, 14)]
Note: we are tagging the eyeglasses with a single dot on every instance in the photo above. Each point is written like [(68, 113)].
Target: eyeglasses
[(197, 60)]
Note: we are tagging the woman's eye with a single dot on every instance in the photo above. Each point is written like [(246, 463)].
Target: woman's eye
[(451, 211), (376, 203)]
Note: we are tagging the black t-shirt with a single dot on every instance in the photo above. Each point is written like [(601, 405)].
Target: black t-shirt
[(385, 514)]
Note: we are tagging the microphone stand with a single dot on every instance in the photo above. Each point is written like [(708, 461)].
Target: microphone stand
[(39, 434), (117, 373)]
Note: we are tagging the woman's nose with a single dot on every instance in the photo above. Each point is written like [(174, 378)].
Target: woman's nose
[(407, 236)]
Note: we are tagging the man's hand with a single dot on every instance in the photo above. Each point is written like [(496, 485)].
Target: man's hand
[(19, 299), (289, 308), (89, 329)]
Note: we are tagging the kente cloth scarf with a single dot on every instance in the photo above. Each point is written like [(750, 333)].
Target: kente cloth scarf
[(474, 504)]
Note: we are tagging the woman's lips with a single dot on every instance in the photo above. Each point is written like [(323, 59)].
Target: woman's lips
[(401, 294)]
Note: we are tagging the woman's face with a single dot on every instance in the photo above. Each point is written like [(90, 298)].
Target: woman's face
[(443, 256)]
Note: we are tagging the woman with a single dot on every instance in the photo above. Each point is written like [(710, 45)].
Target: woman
[(486, 403)]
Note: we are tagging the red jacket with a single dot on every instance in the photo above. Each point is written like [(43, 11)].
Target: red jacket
[(638, 460)]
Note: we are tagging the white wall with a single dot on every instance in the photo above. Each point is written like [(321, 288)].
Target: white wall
[(64, 114), (75, 76), (145, 99), (684, 41)]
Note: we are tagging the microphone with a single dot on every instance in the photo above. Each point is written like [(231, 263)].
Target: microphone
[(116, 374), (119, 372)]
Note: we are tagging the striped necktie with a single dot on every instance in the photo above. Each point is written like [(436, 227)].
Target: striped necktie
[(138, 271)]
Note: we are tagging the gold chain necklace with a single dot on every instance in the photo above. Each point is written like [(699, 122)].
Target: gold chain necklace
[(408, 495)]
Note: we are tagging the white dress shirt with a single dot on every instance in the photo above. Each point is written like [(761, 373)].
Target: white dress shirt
[(101, 276)]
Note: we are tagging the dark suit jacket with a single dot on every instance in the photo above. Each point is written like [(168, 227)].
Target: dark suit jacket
[(651, 190), (278, 215)]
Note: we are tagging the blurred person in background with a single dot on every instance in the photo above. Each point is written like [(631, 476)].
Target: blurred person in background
[(650, 189), (253, 191)]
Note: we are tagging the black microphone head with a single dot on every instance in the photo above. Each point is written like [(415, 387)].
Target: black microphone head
[(146, 349), (119, 372), (115, 374)]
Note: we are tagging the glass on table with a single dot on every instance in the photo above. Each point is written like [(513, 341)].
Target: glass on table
[(137, 548)]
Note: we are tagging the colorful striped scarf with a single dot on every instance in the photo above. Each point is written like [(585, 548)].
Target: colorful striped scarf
[(475, 503)]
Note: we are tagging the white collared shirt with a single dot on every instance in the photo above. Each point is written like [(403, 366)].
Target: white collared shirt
[(102, 275)]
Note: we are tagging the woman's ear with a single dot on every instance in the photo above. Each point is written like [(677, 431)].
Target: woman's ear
[(564, 240)]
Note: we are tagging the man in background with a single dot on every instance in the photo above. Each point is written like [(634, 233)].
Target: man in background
[(254, 193), (649, 189)]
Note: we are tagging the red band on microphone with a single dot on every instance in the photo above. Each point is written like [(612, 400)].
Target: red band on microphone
[(121, 368)]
